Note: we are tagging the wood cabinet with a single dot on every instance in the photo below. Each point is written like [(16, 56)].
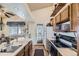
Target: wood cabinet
[(21, 53), (58, 8), (30, 48), (68, 14), (76, 23), (73, 17), (57, 19), (26, 51), (64, 15), (54, 24)]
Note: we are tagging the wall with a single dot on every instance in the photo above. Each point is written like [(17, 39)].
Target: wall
[(5, 29), (41, 16), (21, 10)]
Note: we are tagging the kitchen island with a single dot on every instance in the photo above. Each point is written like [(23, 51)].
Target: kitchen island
[(24, 49)]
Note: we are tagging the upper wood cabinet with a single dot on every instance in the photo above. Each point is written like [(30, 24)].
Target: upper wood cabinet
[(70, 13), (58, 8), (54, 24), (52, 21), (57, 19), (64, 15), (73, 17)]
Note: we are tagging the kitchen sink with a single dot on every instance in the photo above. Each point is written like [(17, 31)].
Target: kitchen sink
[(8, 50)]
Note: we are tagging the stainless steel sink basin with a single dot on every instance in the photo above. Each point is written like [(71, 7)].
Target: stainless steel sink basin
[(8, 50)]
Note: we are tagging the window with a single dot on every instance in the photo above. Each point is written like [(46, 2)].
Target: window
[(13, 30), (16, 29)]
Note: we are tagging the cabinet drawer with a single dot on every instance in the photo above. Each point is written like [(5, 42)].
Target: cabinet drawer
[(64, 15)]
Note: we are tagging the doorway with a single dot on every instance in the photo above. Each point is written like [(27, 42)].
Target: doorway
[(40, 33)]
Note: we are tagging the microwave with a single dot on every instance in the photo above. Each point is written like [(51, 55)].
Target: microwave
[(65, 26)]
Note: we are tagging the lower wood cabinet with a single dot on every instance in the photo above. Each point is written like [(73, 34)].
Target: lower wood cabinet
[(30, 48), (21, 53), (26, 51)]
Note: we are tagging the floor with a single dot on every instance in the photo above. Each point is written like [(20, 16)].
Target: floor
[(39, 46)]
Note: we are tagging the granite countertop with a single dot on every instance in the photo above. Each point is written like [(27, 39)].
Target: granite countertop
[(22, 42)]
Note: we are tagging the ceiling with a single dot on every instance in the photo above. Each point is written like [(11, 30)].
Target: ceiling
[(20, 9), (36, 6)]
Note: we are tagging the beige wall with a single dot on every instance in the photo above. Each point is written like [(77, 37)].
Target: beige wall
[(5, 28), (41, 16)]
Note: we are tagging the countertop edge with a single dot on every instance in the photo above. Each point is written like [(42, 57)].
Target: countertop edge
[(75, 54)]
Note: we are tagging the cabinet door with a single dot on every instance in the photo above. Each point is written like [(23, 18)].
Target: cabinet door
[(26, 50), (73, 17), (21, 53), (54, 24), (30, 48), (64, 15), (57, 19), (77, 29)]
